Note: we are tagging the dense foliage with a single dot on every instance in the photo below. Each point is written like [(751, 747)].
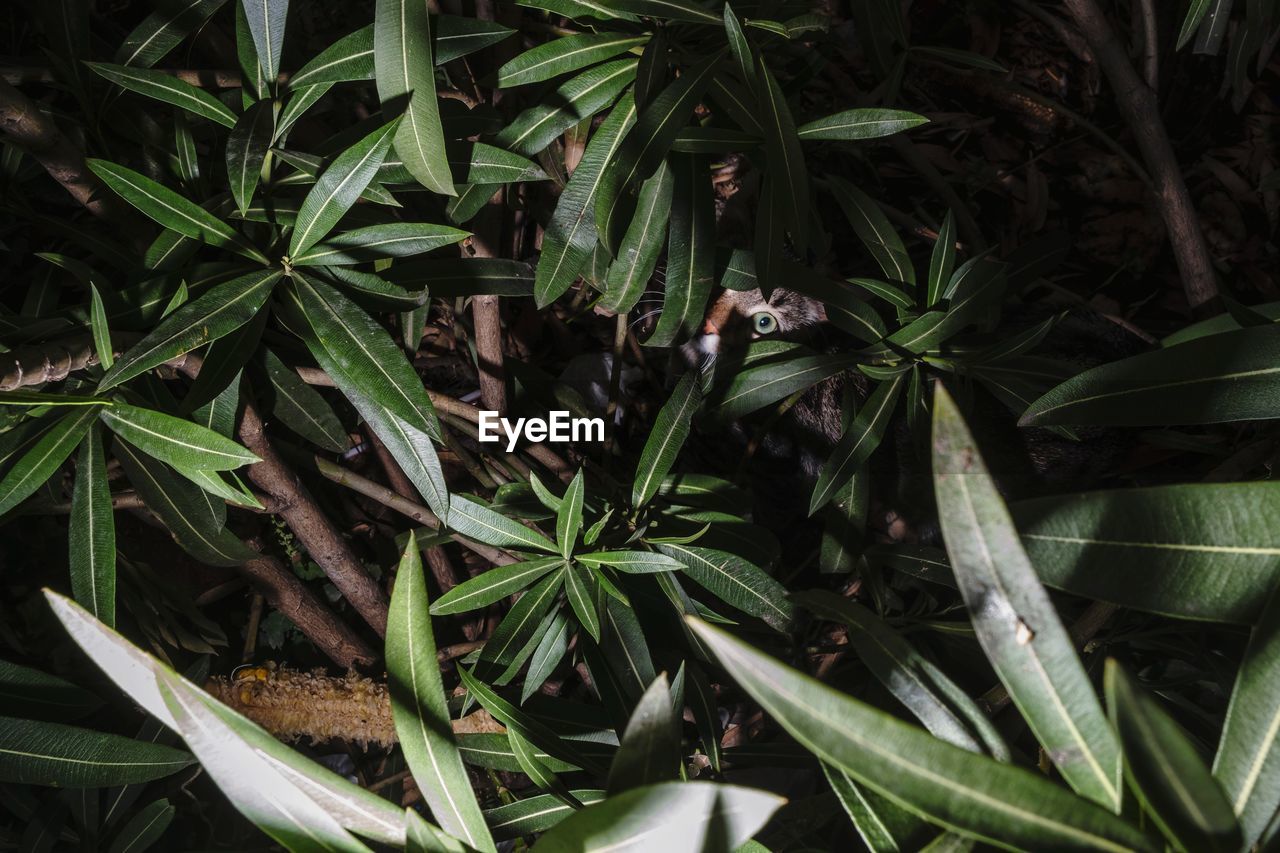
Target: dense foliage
[(267, 264)]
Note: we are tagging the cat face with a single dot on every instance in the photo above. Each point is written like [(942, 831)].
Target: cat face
[(738, 317)]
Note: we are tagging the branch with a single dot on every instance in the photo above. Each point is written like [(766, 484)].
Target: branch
[(23, 123), (314, 530), (1138, 103)]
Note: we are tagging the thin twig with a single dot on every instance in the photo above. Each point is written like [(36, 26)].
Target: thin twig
[(422, 515), (1138, 104)]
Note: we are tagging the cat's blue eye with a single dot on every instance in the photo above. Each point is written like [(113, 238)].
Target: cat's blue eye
[(764, 323)]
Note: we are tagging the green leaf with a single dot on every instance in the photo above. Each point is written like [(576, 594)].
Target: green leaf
[(883, 826), (631, 562), (740, 47), (551, 649), (420, 708), (139, 676), (266, 20), (1192, 551), (101, 331), (1165, 771), (361, 356), (938, 703), (493, 585), (338, 187), (145, 828), (670, 429), (257, 789), (1233, 376), (874, 230), (162, 31), (456, 37), (690, 251), (1248, 757), (247, 148), (580, 588), (943, 260), (1013, 617), (33, 752), (178, 442), (675, 817), (537, 771), (167, 88), (535, 814), (392, 240), (562, 55), (33, 693), (483, 524), (511, 643), (970, 793), (759, 386), (301, 408), (172, 210), (410, 446), (220, 311), (527, 727), (41, 459), (569, 516), (1191, 23), (860, 124), (859, 441), (348, 59), (649, 752), (784, 157), (574, 100), (571, 234), (644, 148), (403, 66), (92, 533), (642, 245), (183, 509), (735, 581)]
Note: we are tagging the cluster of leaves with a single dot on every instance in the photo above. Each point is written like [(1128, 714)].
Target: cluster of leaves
[(272, 258)]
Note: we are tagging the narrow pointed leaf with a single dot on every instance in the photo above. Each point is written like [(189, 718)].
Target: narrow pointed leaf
[(220, 311), (943, 261), (670, 429), (569, 516), (860, 124), (690, 251), (537, 771), (42, 458), (1164, 769), (101, 331), (92, 546), (163, 30), (858, 442), (642, 245), (266, 20), (784, 156), (338, 187), (145, 828), (632, 562), (551, 649), (535, 814), (689, 11), (513, 640), (392, 240), (961, 790), (178, 442), (420, 709), (578, 98), (580, 588), (172, 210), (34, 752), (675, 817), (167, 88), (571, 234), (649, 752), (493, 585), (247, 149), (1233, 376), (138, 675), (563, 55), (875, 231), (758, 386), (735, 581), (403, 67), (301, 408), (1013, 617), (479, 522)]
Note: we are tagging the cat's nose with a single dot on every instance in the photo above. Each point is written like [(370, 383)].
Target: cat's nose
[(709, 327)]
